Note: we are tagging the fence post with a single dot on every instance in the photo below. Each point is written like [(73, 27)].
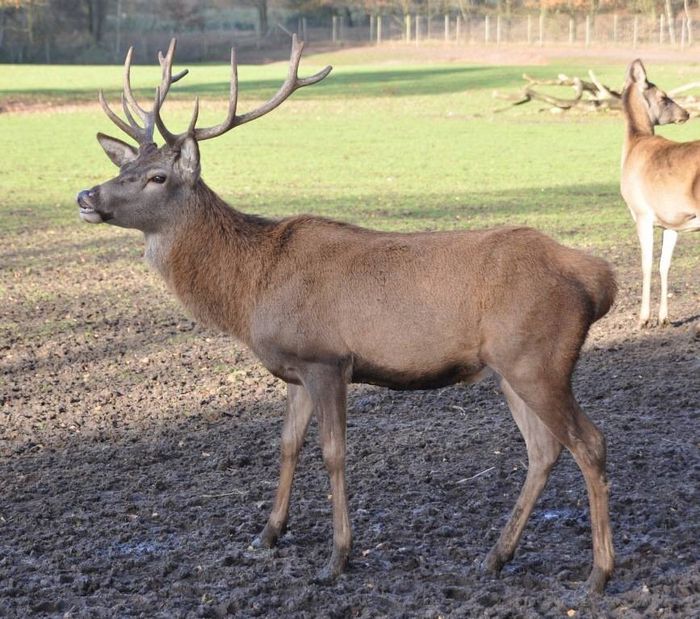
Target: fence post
[(615, 28), (334, 35), (541, 37), (447, 28), (341, 29), (304, 29), (529, 29), (571, 30), (458, 29), (635, 31), (487, 29), (588, 30), (407, 20), (371, 27), (684, 31), (118, 43), (417, 29), (379, 29)]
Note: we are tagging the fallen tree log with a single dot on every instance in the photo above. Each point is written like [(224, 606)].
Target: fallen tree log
[(588, 95)]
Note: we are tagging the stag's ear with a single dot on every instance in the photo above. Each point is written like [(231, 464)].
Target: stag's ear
[(187, 161), (637, 73), (119, 152)]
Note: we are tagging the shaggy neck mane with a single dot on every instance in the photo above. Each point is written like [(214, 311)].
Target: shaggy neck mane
[(215, 262)]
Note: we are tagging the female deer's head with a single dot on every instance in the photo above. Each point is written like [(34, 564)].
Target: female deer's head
[(659, 107), (153, 183)]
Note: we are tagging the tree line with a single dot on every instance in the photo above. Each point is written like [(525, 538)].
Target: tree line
[(93, 31)]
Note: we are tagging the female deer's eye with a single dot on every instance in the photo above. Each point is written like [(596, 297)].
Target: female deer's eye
[(158, 178)]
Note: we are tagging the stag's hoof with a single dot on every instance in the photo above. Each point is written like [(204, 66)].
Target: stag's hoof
[(597, 580), (336, 566), (266, 540), (644, 323), (493, 563), (664, 322)]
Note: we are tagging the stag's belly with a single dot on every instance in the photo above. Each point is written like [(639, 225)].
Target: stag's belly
[(406, 377)]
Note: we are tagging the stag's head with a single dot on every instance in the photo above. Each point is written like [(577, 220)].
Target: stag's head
[(660, 108), (154, 181)]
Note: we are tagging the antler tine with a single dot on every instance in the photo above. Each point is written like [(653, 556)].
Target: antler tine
[(195, 115), (166, 63), (128, 93), (170, 138), (134, 132), (292, 83), (128, 114)]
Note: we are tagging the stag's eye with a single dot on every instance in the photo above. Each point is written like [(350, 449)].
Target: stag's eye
[(158, 178)]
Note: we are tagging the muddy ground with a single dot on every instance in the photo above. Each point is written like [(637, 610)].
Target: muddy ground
[(138, 459)]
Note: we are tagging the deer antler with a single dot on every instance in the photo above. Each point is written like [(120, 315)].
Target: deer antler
[(143, 134), (292, 83)]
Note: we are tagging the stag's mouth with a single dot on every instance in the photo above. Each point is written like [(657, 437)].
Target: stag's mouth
[(88, 212)]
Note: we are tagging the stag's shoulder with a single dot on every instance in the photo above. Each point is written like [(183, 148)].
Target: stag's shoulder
[(311, 230)]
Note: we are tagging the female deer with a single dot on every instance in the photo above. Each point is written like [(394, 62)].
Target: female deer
[(660, 179)]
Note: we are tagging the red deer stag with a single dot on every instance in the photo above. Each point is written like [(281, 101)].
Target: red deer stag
[(660, 179), (323, 304)]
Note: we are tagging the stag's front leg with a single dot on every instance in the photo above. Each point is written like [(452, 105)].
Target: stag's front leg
[(299, 410), (328, 389)]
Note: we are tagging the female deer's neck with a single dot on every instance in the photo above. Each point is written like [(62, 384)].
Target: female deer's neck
[(212, 259), (637, 121), (636, 114)]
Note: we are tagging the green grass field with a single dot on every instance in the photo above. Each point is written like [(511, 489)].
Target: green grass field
[(405, 147)]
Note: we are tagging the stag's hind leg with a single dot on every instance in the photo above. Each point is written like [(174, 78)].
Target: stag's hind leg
[(543, 450), (554, 403)]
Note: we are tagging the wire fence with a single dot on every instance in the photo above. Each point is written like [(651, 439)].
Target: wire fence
[(601, 30)]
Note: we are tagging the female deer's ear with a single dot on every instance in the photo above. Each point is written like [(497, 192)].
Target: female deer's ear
[(187, 161), (119, 152), (636, 72)]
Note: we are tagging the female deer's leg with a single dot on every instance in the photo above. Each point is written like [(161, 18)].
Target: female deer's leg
[(645, 232), (299, 410), (561, 414), (543, 450), (668, 244), (328, 390)]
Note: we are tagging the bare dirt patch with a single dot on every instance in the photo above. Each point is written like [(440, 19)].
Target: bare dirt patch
[(138, 459)]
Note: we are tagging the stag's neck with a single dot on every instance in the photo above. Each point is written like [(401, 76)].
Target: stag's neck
[(213, 259), (637, 121)]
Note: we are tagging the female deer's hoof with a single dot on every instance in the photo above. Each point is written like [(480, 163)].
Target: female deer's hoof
[(597, 580)]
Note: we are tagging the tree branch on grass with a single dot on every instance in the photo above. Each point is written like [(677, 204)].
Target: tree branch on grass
[(589, 95)]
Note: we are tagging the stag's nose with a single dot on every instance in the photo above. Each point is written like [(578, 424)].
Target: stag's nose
[(85, 194)]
